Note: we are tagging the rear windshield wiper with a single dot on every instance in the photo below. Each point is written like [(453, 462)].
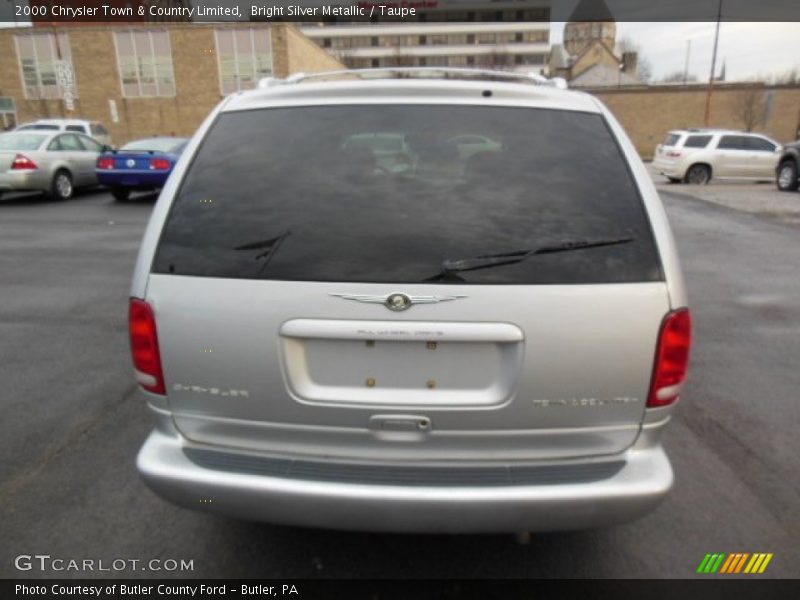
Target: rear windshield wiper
[(487, 261), (269, 247)]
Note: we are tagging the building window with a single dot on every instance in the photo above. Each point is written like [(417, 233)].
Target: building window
[(535, 36), (8, 113), (245, 56), (145, 63), (38, 54)]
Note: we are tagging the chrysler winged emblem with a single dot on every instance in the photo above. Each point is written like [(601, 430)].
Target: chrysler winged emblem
[(397, 301)]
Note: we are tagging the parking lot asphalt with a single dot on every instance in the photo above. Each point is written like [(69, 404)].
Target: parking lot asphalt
[(758, 198), (72, 424)]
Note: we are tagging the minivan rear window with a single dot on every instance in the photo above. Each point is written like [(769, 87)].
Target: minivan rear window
[(671, 139), (285, 194)]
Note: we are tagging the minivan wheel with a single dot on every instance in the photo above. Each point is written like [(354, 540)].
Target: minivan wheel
[(698, 175), (120, 194), (787, 176), (61, 188)]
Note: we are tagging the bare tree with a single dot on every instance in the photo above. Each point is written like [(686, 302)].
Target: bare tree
[(644, 70), (751, 108), (678, 77), (626, 44), (789, 76)]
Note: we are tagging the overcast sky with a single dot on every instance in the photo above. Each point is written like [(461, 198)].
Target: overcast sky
[(748, 49)]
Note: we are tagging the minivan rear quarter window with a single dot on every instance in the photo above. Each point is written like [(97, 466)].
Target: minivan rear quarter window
[(284, 193)]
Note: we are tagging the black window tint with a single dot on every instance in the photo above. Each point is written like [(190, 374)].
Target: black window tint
[(76, 128), (697, 141), (733, 142), (40, 127), (760, 144), (285, 178)]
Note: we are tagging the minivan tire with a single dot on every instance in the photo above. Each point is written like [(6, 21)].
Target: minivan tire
[(787, 176), (120, 194), (698, 174), (62, 188)]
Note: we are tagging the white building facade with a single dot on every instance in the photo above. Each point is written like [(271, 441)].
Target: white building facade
[(511, 34)]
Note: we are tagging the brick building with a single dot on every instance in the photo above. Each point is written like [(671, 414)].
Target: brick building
[(143, 80), (648, 112)]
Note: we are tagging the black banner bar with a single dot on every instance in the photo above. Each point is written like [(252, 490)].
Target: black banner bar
[(738, 588), (381, 11)]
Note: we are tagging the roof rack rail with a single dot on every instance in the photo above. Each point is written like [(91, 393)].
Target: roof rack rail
[(453, 72)]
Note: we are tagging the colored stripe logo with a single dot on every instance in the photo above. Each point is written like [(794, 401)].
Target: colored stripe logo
[(736, 562)]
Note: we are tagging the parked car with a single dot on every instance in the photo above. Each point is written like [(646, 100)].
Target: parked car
[(788, 170), (142, 165), (93, 129), (51, 162), (698, 155), (493, 345)]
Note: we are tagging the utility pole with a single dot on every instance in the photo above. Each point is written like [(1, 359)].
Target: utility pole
[(686, 65), (713, 67)]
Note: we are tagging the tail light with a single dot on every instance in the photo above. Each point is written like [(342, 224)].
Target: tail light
[(105, 162), (159, 164), (23, 163), (672, 358), (673, 154), (144, 347)]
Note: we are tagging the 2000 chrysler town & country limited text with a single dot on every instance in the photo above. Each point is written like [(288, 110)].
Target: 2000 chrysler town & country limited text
[(482, 328)]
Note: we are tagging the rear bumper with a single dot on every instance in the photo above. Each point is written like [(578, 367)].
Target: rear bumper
[(24, 181), (132, 179), (632, 491), (668, 168)]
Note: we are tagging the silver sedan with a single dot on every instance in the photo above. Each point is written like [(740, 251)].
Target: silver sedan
[(56, 163)]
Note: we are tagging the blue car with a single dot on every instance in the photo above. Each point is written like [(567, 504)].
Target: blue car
[(139, 166)]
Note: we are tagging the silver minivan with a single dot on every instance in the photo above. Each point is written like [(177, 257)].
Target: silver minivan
[(481, 341)]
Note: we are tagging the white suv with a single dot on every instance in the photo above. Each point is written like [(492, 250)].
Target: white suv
[(93, 129), (697, 155)]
